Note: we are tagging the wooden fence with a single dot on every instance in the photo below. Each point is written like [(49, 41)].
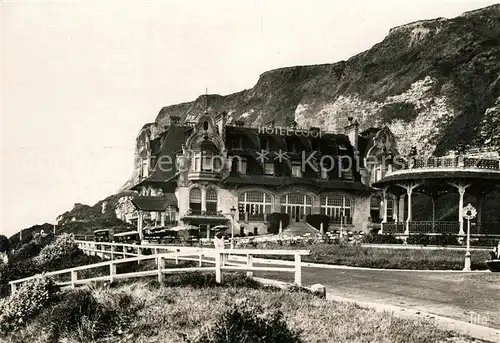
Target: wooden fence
[(118, 254)]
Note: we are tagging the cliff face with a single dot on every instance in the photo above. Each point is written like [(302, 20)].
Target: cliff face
[(435, 83)]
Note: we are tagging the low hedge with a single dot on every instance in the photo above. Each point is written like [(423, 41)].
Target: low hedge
[(274, 222)]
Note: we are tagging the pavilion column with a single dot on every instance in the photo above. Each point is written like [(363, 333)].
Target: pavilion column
[(401, 208), (384, 197), (409, 190), (395, 209), (461, 191), (139, 224)]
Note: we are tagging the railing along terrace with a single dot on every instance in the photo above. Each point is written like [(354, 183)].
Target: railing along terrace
[(485, 228), (219, 258), (440, 227), (204, 213), (453, 162), (434, 227)]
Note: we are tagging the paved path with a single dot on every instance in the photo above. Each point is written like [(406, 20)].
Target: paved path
[(470, 297)]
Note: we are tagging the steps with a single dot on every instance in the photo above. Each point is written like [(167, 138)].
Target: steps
[(295, 229)]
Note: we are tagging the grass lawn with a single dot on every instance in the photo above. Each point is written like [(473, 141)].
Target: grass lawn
[(148, 313), (370, 257)]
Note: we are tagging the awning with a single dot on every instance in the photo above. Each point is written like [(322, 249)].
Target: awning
[(154, 203)]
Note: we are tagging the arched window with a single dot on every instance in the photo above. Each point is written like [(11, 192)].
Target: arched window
[(377, 208), (254, 205), (195, 200), (211, 201), (297, 205), (337, 207)]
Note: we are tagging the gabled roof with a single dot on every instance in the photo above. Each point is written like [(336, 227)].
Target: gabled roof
[(166, 169), (154, 203)]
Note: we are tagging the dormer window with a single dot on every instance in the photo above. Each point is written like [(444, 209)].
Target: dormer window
[(205, 125), (242, 167), (324, 173), (264, 143), (296, 170), (269, 168)]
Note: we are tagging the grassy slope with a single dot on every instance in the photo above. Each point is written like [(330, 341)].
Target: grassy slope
[(168, 314), (418, 259)]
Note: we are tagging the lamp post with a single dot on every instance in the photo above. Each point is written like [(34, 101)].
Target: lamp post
[(469, 213), (342, 222), (233, 212)]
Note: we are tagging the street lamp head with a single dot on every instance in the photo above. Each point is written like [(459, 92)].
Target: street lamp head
[(233, 211)]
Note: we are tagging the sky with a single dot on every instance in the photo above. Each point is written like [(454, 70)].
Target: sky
[(80, 78)]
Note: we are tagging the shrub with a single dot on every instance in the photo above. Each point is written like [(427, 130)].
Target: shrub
[(248, 323), (64, 247), (420, 239), (316, 220), (32, 296), (274, 221), (79, 311), (381, 239)]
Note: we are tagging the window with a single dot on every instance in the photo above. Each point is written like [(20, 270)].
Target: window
[(337, 207), (264, 143), (205, 125), (242, 166), (324, 172), (144, 168), (269, 168), (254, 205), (296, 170), (297, 205), (375, 207), (211, 201), (195, 200), (207, 161)]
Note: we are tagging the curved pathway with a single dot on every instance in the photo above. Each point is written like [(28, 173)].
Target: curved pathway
[(469, 297)]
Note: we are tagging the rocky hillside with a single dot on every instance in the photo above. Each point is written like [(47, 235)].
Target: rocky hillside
[(435, 83)]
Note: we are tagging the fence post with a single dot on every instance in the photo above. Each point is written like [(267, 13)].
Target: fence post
[(74, 277), (298, 270), (249, 265), (161, 266), (112, 271), (200, 260), (139, 253), (13, 288), (176, 258), (112, 247), (218, 265)]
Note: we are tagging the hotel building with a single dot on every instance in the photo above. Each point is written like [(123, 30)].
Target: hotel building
[(215, 172)]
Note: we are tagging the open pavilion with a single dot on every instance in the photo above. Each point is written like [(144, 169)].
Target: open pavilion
[(436, 177)]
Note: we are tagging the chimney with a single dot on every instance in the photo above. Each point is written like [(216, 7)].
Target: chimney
[(221, 121), (352, 131)]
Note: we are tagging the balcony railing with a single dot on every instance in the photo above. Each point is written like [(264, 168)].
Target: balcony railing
[(453, 162)]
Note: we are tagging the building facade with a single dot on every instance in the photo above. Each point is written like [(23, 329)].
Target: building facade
[(210, 173)]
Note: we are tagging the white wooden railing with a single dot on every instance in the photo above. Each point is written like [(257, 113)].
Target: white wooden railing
[(219, 258)]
